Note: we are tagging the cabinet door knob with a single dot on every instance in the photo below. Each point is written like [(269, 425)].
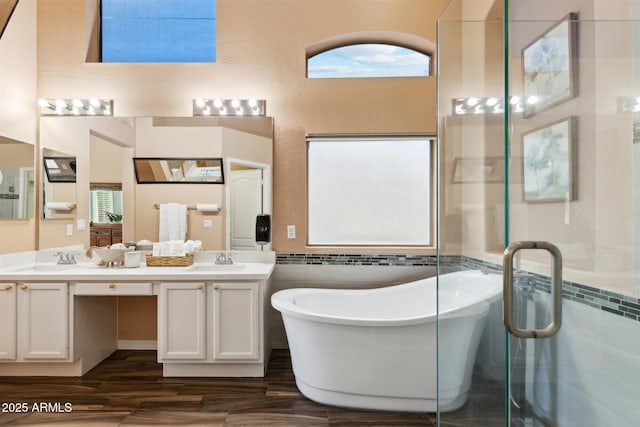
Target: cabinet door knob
[(24, 287), (215, 287), (112, 285), (8, 287), (199, 287)]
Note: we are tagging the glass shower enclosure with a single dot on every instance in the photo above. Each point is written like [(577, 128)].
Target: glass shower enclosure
[(539, 169)]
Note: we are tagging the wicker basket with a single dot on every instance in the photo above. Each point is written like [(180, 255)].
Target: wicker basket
[(169, 261)]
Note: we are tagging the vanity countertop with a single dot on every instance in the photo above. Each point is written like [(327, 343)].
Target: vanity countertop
[(92, 272)]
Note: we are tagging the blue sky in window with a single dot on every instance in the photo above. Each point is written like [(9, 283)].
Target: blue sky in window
[(158, 30), (368, 60)]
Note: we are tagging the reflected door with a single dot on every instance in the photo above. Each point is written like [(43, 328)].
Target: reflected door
[(246, 204)]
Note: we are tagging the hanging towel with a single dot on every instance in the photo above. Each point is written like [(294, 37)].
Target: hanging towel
[(173, 222)]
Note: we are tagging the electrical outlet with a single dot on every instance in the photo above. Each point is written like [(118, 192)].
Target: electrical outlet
[(207, 223), (69, 229), (291, 231)]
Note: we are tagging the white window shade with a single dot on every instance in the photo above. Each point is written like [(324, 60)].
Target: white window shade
[(369, 191)]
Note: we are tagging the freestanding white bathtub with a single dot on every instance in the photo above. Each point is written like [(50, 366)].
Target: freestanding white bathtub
[(376, 348)]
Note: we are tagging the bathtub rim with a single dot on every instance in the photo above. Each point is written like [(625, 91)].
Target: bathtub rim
[(283, 301)]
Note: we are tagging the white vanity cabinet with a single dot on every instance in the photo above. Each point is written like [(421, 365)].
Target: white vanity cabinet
[(212, 329), (212, 320), (8, 321), (35, 322), (182, 321), (235, 320)]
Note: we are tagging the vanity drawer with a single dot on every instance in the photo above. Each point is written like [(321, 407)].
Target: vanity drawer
[(114, 288)]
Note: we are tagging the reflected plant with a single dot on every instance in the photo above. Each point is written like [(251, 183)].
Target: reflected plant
[(114, 217)]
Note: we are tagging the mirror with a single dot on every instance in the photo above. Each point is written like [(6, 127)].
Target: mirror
[(17, 179), (58, 184), (178, 170), (113, 150)]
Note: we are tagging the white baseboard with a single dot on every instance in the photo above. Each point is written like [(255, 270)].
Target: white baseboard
[(137, 345)]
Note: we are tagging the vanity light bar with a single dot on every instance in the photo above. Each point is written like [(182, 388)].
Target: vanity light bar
[(492, 105), (76, 107), (229, 107)]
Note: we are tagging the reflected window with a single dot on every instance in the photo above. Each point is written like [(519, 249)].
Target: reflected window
[(158, 30), (106, 203), (369, 60)]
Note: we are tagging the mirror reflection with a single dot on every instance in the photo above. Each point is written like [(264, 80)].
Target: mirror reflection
[(178, 170), (105, 203), (17, 179), (60, 169), (58, 184)]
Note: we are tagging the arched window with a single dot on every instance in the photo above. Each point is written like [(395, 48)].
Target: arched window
[(369, 60)]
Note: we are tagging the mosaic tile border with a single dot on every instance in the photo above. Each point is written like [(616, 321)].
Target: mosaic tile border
[(611, 302), (359, 259)]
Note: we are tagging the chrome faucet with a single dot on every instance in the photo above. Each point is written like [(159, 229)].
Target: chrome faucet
[(223, 258), (65, 257)]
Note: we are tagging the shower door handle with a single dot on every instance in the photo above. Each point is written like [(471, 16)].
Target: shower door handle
[(556, 290)]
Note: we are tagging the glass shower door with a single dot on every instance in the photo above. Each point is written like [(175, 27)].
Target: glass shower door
[(567, 77), (573, 162)]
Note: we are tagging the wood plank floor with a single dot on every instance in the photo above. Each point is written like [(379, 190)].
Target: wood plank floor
[(128, 389)]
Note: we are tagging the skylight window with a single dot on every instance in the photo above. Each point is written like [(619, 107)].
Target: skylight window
[(368, 60), (158, 30)]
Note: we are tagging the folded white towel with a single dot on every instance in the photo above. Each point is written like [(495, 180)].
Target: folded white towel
[(182, 221), (173, 222), (163, 231)]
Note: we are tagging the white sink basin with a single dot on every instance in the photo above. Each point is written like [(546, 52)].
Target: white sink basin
[(216, 267)]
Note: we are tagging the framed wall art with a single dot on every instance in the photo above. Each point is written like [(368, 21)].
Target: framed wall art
[(548, 162), (550, 71)]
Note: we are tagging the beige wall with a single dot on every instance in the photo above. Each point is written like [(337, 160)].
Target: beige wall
[(257, 58), (17, 107), (15, 154), (105, 160), (18, 70), (262, 58)]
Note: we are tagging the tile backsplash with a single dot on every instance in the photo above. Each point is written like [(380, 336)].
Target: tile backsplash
[(618, 304)]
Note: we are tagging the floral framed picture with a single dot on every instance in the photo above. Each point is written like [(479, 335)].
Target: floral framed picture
[(549, 67), (548, 162)]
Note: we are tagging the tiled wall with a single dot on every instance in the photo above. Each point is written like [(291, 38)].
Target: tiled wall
[(618, 304), (611, 302), (356, 259)]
